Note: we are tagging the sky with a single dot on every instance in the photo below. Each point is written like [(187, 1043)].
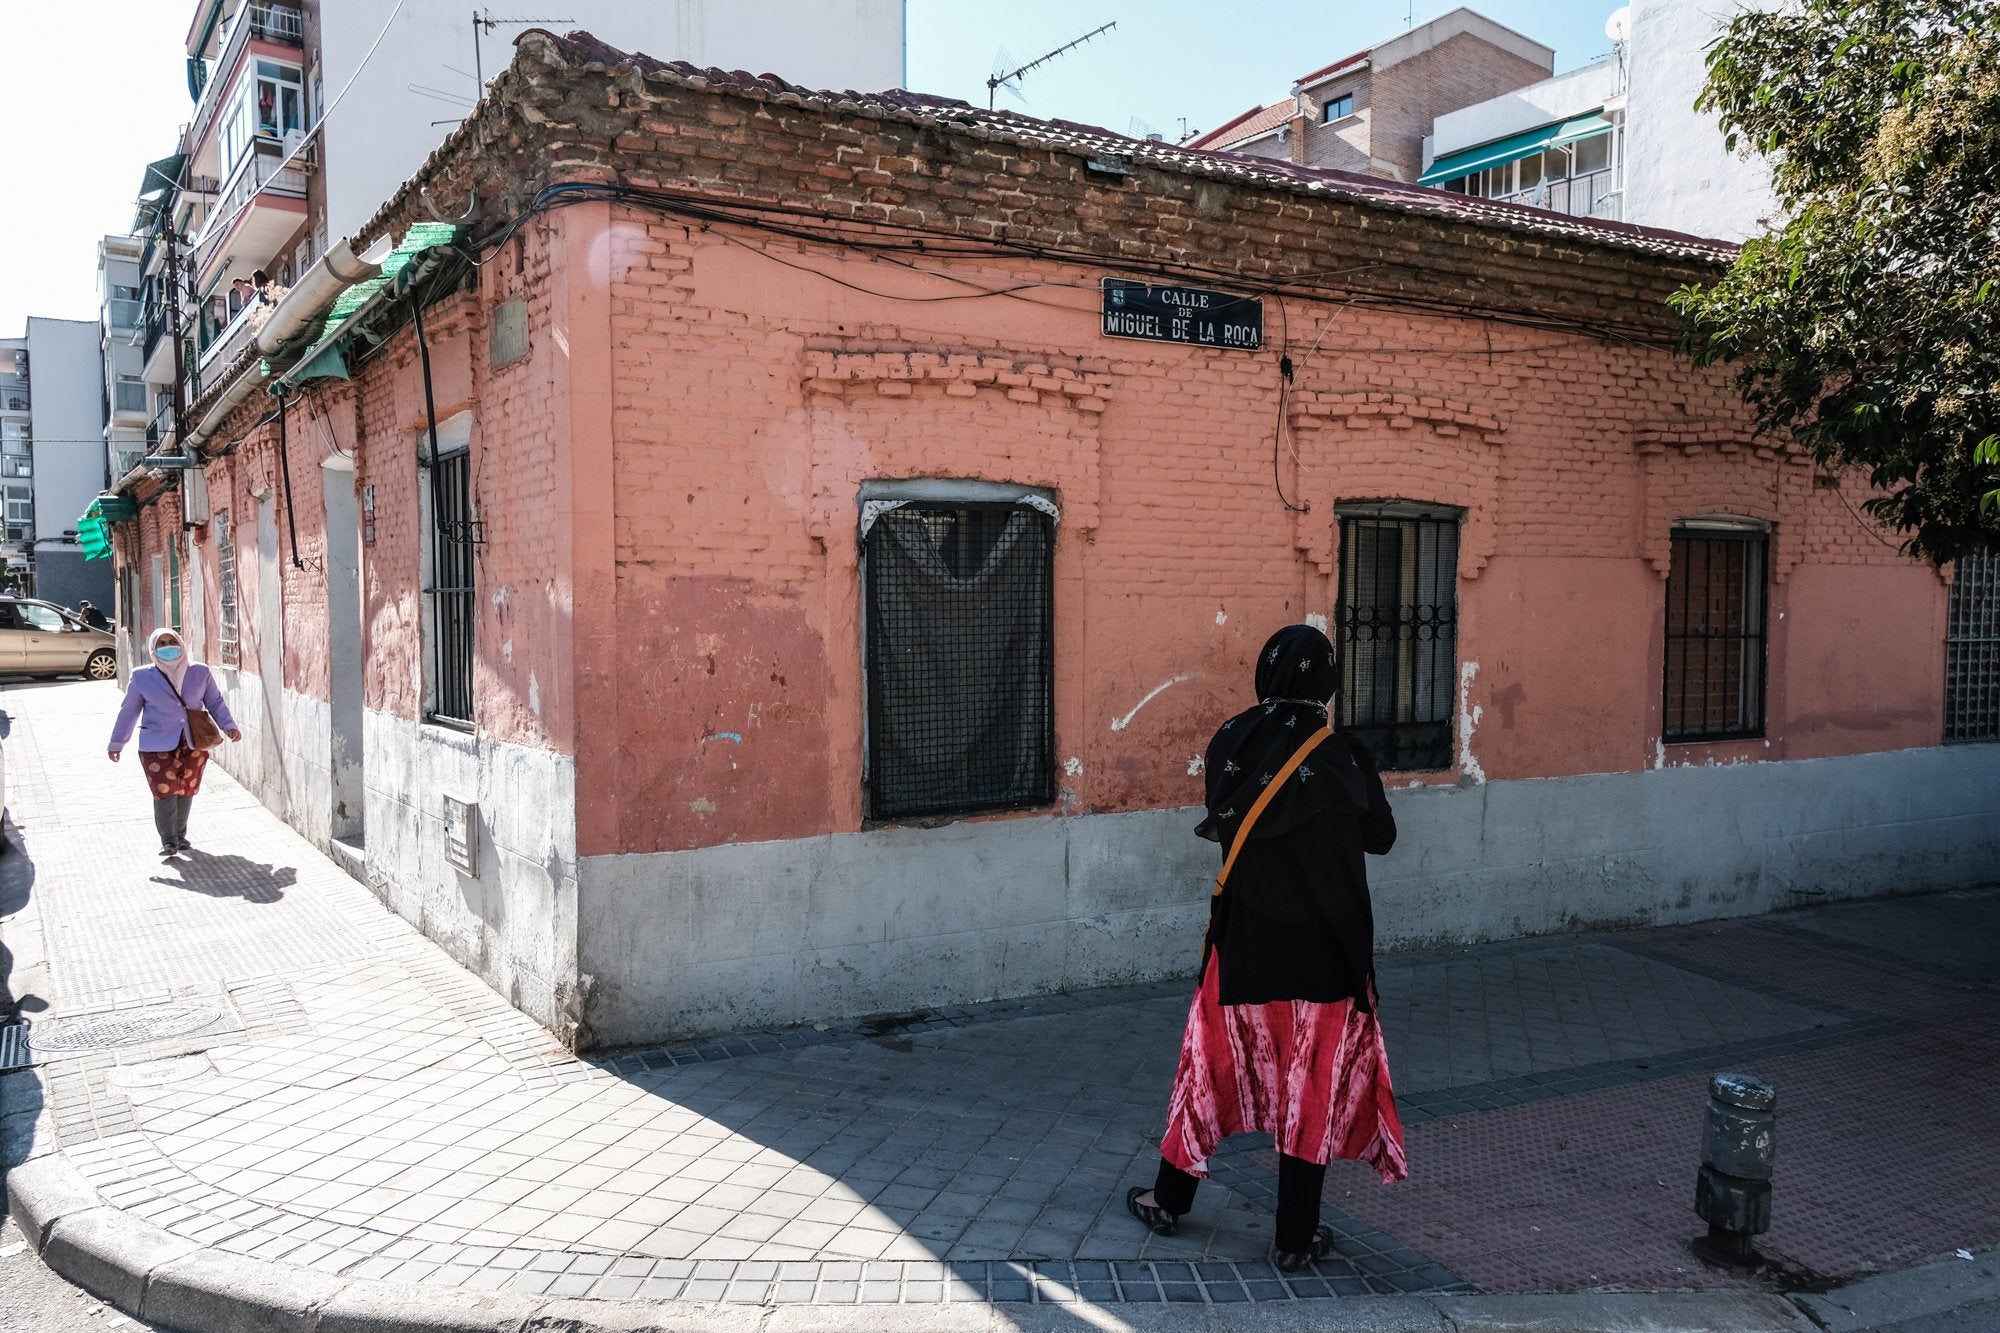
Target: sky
[(90, 93)]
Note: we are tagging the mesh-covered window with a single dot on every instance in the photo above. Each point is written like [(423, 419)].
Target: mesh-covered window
[(1972, 651), (960, 713), (226, 649), (1398, 633), (452, 593), (1714, 686)]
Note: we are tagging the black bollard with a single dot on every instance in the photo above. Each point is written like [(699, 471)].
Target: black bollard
[(1733, 1192)]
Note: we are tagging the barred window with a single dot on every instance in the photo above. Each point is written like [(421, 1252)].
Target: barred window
[(1972, 651), (1398, 631), (958, 605), (1714, 678), (450, 584), (226, 650)]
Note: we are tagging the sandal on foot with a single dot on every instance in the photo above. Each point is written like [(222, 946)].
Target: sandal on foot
[(1157, 1219), (1320, 1247)]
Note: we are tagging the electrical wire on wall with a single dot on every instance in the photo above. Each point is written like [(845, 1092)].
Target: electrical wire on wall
[(776, 219)]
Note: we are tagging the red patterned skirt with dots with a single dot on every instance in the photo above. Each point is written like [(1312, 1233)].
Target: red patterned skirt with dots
[(175, 772)]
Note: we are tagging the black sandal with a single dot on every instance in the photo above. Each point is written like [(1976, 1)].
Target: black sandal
[(1157, 1219), (1321, 1246)]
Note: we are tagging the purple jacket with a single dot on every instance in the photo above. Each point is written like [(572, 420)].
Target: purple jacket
[(165, 724)]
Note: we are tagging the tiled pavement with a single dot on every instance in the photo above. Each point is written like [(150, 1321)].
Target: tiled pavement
[(247, 1050)]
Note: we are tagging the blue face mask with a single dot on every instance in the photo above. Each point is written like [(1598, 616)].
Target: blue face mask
[(166, 652)]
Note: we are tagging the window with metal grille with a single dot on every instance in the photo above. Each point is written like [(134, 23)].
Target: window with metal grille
[(451, 588), (959, 668), (1397, 631), (1972, 651), (1714, 677), (226, 650)]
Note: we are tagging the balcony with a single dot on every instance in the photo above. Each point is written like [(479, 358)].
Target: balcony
[(260, 208), (278, 24), (229, 342)]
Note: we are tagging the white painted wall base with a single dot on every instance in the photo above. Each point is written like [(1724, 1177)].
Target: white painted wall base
[(515, 923), (681, 944)]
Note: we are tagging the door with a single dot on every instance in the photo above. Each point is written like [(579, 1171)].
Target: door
[(13, 639)]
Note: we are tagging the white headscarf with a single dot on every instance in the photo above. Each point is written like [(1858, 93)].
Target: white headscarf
[(175, 671)]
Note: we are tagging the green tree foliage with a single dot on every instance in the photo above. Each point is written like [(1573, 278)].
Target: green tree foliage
[(1869, 325)]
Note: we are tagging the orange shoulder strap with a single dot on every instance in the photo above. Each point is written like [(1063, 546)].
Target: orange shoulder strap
[(1264, 798)]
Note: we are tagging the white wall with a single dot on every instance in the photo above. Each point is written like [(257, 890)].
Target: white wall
[(378, 135), (679, 944), (1678, 175), (1564, 97), (66, 388)]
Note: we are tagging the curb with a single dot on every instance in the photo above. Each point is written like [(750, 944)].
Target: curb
[(153, 1275)]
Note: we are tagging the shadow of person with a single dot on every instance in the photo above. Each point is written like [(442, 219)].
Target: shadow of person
[(229, 876)]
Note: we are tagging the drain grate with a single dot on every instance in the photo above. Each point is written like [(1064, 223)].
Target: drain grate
[(134, 1027), (13, 1046)]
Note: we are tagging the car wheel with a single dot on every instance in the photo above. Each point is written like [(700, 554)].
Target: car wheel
[(103, 665)]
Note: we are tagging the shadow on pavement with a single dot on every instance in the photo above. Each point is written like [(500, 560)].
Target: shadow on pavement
[(227, 876)]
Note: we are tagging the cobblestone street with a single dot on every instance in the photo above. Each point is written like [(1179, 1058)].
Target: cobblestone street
[(245, 1049)]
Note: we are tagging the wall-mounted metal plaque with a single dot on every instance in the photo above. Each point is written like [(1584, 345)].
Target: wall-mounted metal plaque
[(1193, 315)]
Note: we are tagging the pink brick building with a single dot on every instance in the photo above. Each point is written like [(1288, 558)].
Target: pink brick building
[(813, 611)]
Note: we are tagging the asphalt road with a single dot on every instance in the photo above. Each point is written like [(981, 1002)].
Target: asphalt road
[(37, 1301)]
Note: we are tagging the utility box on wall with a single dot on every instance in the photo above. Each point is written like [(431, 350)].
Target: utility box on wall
[(461, 834)]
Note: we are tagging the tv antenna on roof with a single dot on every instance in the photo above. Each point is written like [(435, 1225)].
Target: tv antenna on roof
[(1619, 29), (998, 80), (488, 22)]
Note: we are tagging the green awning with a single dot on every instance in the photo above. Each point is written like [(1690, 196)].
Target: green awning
[(1515, 147), (91, 535), (320, 348), (162, 175)]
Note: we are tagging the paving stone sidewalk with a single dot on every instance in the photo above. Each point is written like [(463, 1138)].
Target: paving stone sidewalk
[(247, 1051)]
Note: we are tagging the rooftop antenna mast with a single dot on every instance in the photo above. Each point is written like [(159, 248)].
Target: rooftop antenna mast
[(488, 22), (997, 79)]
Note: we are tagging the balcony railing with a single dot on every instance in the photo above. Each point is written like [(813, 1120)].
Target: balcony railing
[(268, 22), (258, 173), (229, 341), (121, 314), (1592, 195)]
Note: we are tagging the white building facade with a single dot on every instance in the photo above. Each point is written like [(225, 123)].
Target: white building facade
[(60, 374), (1619, 138)]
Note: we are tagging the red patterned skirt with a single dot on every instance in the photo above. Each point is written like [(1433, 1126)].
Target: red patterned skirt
[(175, 772), (1313, 1076)]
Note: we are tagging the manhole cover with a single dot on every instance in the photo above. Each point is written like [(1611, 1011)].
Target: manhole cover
[(160, 1073), (133, 1027)]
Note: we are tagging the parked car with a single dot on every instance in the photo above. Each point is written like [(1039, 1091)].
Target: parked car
[(41, 639)]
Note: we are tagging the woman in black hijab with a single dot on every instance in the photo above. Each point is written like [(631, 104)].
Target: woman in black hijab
[(1282, 1036)]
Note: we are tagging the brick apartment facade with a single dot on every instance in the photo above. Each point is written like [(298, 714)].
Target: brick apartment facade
[(1369, 112), (761, 318)]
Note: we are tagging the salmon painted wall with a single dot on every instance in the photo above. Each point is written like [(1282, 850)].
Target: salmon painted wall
[(759, 382)]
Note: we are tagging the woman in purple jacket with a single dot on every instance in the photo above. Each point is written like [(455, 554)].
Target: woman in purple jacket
[(156, 702)]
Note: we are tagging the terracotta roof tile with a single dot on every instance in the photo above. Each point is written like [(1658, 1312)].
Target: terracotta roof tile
[(1257, 120)]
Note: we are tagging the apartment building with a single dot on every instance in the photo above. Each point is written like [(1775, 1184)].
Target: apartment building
[(52, 420), (1370, 111), (306, 115)]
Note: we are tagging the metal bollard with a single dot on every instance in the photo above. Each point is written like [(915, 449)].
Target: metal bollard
[(1733, 1192)]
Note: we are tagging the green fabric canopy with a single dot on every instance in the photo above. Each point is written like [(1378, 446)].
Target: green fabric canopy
[(319, 350), (1515, 147), (93, 533)]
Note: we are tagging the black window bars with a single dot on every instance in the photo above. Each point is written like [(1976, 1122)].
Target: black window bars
[(1713, 686), (453, 608), (1972, 650), (959, 654), (1397, 632)]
